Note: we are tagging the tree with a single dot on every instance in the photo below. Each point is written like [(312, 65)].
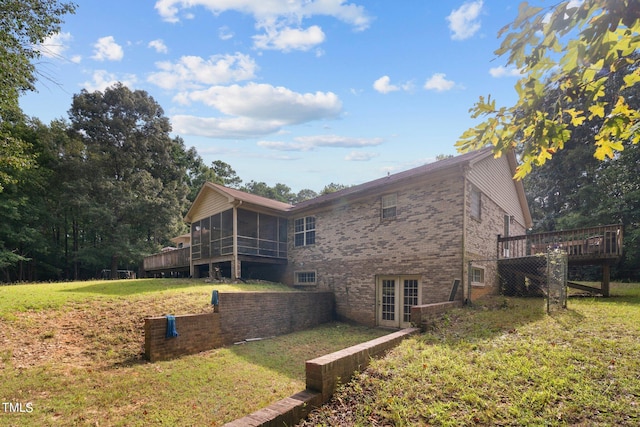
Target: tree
[(598, 192), (225, 174), (137, 185), (332, 188), (573, 51), (26, 214), (24, 24), (279, 192), (305, 194)]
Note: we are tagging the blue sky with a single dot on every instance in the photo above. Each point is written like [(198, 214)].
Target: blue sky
[(301, 92)]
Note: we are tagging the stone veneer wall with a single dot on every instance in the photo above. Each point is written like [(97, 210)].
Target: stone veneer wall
[(240, 316)]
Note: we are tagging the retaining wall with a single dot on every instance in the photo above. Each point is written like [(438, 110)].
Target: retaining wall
[(239, 316), (424, 315), (323, 375)]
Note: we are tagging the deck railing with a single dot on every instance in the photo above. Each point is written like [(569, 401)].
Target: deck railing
[(602, 242), (166, 260)]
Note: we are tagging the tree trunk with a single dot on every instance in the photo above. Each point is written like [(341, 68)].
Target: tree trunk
[(114, 266), (76, 247)]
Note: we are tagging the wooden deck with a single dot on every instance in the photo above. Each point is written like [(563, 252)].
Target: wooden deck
[(585, 246), (592, 245), (168, 260)]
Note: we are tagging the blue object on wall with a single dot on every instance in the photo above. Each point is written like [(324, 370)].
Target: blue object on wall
[(214, 298), (171, 327)]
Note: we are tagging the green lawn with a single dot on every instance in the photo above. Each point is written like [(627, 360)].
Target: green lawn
[(20, 298), (505, 362), (73, 352)]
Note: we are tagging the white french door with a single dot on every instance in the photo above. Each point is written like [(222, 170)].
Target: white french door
[(395, 296)]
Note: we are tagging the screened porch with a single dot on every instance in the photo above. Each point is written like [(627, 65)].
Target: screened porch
[(258, 234)]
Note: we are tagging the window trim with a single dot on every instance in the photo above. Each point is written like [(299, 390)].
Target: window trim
[(479, 270), (391, 206), (311, 274), (306, 232)]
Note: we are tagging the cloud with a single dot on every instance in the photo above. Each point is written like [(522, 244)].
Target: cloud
[(102, 79), (439, 83), (254, 110), (194, 71), (288, 39), (503, 71), (158, 45), (106, 48), (267, 102), (360, 156), (224, 128), (280, 20), (291, 11), (310, 143), (55, 45), (463, 22), (224, 33), (383, 85)]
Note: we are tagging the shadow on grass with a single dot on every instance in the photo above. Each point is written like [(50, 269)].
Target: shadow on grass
[(134, 287), (144, 286), (495, 316), (486, 318), (287, 354)]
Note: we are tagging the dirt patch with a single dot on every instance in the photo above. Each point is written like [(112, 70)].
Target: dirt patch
[(98, 333)]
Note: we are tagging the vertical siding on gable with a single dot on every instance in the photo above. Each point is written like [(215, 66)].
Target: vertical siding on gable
[(211, 202), (493, 178)]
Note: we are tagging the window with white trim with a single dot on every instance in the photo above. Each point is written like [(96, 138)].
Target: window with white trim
[(389, 206), (304, 231), (305, 278), (477, 276)]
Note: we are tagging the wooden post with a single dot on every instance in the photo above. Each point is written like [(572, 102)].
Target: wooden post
[(606, 275), (235, 264)]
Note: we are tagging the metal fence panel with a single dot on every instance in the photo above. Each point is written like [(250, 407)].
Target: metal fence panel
[(540, 275)]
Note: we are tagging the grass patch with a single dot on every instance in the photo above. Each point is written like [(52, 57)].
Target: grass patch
[(504, 362), (76, 352), (42, 296)]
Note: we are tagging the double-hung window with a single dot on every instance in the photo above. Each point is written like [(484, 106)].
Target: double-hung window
[(305, 231), (389, 206), (477, 276)]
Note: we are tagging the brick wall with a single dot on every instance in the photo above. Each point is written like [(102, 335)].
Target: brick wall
[(240, 316), (481, 242), (354, 245), (424, 315), (324, 373)]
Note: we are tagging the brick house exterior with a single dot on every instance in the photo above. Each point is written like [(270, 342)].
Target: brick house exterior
[(381, 246), (401, 240)]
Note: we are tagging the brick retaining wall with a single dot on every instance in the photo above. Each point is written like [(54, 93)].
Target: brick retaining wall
[(423, 315), (240, 316), (325, 372), (323, 375)]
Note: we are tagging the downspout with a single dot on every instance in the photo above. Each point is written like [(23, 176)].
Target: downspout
[(466, 285)]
